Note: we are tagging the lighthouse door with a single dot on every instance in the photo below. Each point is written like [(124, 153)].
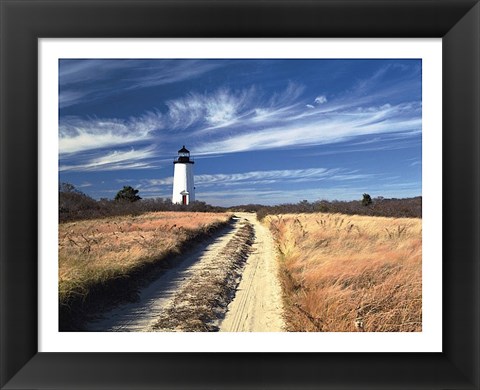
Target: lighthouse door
[(184, 199)]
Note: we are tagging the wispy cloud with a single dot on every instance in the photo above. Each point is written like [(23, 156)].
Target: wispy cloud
[(287, 119), (291, 93), (160, 182), (317, 130), (265, 176), (83, 71), (217, 109), (78, 134), (250, 126), (310, 175), (114, 160), (226, 108), (294, 195), (69, 98), (86, 80), (170, 71), (94, 77)]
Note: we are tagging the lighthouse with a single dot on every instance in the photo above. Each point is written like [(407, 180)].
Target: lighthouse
[(183, 187)]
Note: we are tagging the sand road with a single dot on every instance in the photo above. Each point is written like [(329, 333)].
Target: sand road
[(228, 283), (257, 306)]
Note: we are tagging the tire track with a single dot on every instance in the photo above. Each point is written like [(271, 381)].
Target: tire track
[(257, 306), (203, 301), (241, 315)]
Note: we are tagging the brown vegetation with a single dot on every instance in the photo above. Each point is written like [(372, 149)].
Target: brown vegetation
[(379, 207), (344, 273), (74, 205), (105, 256)]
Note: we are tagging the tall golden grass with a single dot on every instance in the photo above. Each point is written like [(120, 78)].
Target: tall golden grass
[(98, 251), (344, 273)]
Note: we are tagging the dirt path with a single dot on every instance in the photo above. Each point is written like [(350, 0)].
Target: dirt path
[(257, 306), (195, 295)]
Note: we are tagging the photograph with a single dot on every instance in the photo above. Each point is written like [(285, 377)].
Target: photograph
[(240, 195)]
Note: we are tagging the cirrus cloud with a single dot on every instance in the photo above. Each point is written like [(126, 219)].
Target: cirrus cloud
[(78, 134)]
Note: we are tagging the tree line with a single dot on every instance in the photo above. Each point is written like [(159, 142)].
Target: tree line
[(76, 205), (378, 207)]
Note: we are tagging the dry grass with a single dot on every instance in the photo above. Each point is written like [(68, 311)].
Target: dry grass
[(344, 273), (99, 251)]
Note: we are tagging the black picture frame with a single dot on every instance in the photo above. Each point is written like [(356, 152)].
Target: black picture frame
[(22, 22)]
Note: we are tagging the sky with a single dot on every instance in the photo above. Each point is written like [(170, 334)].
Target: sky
[(266, 131)]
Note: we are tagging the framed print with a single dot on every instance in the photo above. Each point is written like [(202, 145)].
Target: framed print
[(128, 29)]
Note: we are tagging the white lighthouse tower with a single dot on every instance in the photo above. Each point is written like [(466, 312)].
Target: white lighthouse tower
[(183, 187)]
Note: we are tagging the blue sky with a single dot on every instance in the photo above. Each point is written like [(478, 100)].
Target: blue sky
[(260, 131)]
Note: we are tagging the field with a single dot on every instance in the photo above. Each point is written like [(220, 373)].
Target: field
[(102, 252), (345, 273)]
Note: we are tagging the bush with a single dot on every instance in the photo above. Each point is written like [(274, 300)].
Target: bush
[(367, 200), (128, 194)]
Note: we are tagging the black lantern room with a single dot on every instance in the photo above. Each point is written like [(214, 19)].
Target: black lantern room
[(183, 156)]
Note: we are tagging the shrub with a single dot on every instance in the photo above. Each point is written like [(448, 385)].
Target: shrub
[(127, 193), (367, 200)]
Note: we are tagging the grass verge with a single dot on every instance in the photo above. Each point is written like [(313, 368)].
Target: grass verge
[(344, 273), (103, 262)]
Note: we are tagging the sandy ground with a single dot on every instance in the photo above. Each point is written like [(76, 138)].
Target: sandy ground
[(194, 295), (257, 306)]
